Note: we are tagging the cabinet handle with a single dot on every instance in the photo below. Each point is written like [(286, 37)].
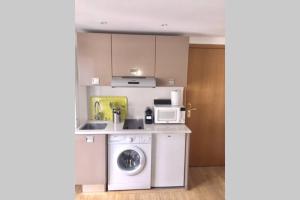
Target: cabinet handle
[(89, 139)]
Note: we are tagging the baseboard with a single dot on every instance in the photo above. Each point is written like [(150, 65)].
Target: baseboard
[(92, 188)]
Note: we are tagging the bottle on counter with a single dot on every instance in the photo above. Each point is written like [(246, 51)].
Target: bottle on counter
[(116, 115)]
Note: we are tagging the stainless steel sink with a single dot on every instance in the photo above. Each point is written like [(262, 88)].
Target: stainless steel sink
[(93, 126)]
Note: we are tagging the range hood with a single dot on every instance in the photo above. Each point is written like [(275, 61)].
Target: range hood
[(133, 81)]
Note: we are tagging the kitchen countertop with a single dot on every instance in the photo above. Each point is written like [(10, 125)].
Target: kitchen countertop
[(148, 129)]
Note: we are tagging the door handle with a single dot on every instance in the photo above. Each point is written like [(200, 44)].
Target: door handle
[(189, 109)]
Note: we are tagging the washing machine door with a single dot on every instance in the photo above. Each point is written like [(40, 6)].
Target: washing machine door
[(131, 160)]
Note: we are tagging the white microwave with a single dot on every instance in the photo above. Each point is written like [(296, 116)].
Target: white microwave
[(165, 114)]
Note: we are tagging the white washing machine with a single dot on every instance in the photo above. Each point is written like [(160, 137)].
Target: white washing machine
[(129, 162)]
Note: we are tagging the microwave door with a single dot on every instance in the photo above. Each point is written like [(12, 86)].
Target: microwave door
[(167, 116)]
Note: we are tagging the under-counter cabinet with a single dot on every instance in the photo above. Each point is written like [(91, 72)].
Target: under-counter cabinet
[(93, 58), (90, 161), (168, 163), (133, 55), (171, 60)]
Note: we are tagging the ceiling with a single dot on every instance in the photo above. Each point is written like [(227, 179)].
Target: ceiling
[(188, 17)]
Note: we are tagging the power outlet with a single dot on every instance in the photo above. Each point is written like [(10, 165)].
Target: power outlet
[(171, 82)]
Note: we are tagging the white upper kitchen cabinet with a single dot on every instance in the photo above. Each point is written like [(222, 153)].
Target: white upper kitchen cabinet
[(93, 58), (171, 60), (133, 55)]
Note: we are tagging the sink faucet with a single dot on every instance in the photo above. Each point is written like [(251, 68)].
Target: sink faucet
[(97, 110)]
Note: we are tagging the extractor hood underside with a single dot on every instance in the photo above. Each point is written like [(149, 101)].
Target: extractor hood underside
[(133, 81)]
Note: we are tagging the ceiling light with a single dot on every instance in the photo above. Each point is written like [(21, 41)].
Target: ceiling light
[(164, 25)]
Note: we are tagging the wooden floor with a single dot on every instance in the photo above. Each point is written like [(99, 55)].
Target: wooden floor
[(206, 183)]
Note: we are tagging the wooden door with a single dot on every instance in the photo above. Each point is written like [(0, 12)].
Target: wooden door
[(94, 58), (171, 60), (205, 92), (133, 55), (90, 160)]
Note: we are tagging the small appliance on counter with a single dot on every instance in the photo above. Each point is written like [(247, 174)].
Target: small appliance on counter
[(168, 114), (182, 115), (162, 101), (175, 97), (149, 116)]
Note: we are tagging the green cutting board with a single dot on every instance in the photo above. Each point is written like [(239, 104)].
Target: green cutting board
[(105, 109)]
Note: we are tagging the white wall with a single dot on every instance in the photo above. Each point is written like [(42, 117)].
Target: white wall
[(82, 105), (206, 40), (138, 98)]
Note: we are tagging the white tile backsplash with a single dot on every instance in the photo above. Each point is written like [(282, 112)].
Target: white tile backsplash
[(138, 98)]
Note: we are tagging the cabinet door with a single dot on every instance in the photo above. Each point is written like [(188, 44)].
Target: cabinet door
[(171, 60), (168, 160), (90, 160), (133, 55), (94, 58)]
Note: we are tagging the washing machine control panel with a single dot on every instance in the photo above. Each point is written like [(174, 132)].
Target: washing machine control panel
[(145, 139), (130, 139)]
